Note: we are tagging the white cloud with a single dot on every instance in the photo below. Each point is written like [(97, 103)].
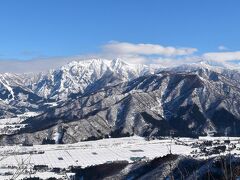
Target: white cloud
[(222, 48), (123, 48), (223, 56), (129, 52)]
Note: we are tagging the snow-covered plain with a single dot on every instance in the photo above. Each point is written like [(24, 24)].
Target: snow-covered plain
[(89, 153), (84, 154)]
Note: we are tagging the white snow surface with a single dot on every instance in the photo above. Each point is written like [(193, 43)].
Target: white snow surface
[(12, 125), (85, 154), (91, 153)]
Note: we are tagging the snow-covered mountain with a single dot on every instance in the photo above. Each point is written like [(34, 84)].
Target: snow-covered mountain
[(76, 76), (73, 78), (100, 98), (20, 93)]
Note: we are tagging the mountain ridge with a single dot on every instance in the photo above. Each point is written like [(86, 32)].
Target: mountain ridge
[(118, 99)]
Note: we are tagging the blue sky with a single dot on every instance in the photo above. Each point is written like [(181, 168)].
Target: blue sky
[(52, 28)]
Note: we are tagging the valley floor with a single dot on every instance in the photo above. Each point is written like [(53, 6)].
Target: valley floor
[(45, 161)]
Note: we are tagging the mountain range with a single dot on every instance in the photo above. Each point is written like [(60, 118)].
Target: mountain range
[(98, 98)]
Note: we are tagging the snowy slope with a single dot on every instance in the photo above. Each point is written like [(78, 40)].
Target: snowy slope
[(76, 76), (99, 98)]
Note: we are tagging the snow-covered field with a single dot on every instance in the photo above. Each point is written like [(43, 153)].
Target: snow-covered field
[(84, 154), (89, 153)]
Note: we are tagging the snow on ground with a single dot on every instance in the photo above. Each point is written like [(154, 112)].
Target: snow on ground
[(209, 138), (29, 114), (43, 175), (18, 119), (6, 121), (12, 125), (52, 104), (90, 153)]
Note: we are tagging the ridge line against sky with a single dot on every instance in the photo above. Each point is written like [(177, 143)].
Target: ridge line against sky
[(45, 34), (129, 52)]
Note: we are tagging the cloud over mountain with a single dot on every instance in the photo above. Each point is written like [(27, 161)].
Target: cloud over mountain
[(223, 56), (141, 53), (146, 49)]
